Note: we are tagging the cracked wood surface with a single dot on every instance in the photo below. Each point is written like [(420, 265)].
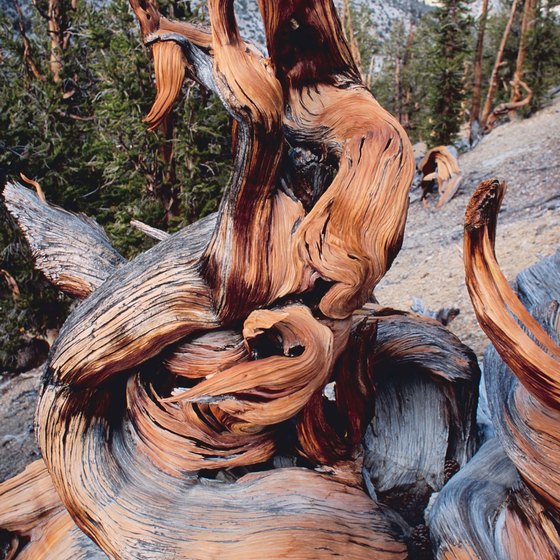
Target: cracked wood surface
[(185, 412)]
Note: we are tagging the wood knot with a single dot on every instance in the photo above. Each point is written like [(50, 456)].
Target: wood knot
[(484, 204), (450, 468)]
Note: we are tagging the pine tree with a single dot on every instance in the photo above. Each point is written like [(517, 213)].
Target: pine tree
[(543, 53), (364, 35), (477, 75), (446, 69), (79, 132), (392, 87), (420, 80), (501, 65)]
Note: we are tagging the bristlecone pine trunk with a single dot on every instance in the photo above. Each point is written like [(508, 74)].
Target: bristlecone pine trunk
[(233, 393), (493, 83)]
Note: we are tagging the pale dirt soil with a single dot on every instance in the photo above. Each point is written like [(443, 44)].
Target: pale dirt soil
[(18, 397), (525, 154)]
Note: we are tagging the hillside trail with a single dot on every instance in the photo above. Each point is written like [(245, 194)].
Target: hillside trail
[(430, 266), (524, 153)]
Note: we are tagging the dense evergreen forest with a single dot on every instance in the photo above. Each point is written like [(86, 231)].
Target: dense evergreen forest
[(74, 87)]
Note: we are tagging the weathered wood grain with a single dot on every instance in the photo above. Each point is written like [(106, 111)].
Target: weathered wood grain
[(528, 429), (337, 115), (463, 517), (441, 165), (424, 427), (511, 106), (522, 387), (539, 283), (107, 494), (534, 363), (31, 509), (527, 529), (327, 100), (232, 410), (28, 499), (147, 304), (212, 350), (72, 250)]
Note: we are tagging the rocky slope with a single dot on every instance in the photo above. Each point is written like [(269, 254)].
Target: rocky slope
[(523, 153)]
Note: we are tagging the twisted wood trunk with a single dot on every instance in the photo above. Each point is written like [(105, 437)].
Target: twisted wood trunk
[(511, 106), (231, 392), (527, 25), (505, 504)]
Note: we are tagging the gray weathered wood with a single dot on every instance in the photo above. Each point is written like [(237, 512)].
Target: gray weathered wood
[(462, 518), (72, 250), (424, 428), (540, 282)]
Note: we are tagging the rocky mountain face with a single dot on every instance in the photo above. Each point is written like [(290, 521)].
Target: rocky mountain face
[(383, 13), (493, 6)]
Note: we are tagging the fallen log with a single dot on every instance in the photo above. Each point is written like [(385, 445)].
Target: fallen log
[(440, 165)]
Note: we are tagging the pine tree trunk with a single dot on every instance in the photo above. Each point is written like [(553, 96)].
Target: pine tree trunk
[(526, 28), (55, 30), (405, 118), (493, 83), (348, 29), (398, 85)]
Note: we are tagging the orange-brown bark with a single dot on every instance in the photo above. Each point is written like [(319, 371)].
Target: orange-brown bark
[(527, 25), (27, 55), (223, 393), (525, 406), (141, 392), (510, 107), (477, 74), (534, 363), (493, 83)]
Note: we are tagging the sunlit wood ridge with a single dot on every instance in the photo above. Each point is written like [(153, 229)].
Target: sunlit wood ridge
[(505, 503)]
